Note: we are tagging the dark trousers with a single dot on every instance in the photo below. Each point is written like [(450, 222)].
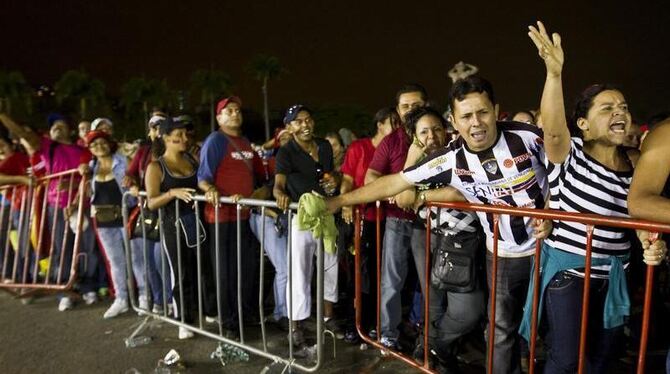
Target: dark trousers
[(87, 264), (183, 267), (227, 281), (513, 277), (454, 314), (563, 305)]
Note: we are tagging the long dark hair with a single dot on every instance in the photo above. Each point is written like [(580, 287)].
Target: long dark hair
[(158, 147), (584, 103)]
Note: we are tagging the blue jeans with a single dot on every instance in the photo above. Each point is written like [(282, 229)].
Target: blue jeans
[(111, 239), (275, 248), (397, 243), (512, 279), (157, 281), (88, 264), (563, 305)]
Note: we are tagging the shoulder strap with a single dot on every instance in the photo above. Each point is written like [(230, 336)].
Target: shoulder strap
[(246, 162)]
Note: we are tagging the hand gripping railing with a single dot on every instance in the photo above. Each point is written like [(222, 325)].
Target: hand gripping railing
[(167, 229), (590, 220), (28, 215)]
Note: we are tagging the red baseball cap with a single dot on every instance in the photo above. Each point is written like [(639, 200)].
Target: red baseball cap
[(222, 104)]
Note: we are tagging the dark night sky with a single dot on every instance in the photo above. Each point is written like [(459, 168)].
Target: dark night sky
[(340, 52)]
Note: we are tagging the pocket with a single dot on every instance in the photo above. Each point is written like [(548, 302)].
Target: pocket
[(561, 282), (189, 224)]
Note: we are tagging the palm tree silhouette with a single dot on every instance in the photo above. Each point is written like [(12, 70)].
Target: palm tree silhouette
[(210, 84), (264, 68), (78, 85)]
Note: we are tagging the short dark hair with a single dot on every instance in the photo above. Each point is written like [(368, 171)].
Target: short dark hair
[(471, 84), (584, 103), (382, 115), (411, 87), (413, 117)]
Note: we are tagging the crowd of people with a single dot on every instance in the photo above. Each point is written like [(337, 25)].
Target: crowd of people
[(587, 163)]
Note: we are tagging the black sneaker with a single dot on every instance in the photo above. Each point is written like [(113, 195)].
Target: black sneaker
[(298, 337), (351, 337), (332, 326)]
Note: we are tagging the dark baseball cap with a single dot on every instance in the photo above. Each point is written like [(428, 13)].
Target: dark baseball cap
[(292, 112)]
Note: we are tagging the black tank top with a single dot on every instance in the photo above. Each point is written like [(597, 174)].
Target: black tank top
[(108, 193), (170, 181)]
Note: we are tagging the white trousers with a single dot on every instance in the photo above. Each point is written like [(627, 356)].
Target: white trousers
[(299, 290)]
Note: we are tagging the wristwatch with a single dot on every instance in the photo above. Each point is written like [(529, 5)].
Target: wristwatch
[(422, 197)]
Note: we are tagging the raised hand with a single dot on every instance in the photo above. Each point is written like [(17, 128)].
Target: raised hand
[(549, 49)]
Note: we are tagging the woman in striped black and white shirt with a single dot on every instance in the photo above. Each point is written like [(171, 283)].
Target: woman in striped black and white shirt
[(588, 172)]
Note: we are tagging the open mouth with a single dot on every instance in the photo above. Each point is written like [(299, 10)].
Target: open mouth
[(479, 135), (618, 127), (306, 132)]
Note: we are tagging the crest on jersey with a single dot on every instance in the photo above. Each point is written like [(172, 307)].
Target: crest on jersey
[(490, 165)]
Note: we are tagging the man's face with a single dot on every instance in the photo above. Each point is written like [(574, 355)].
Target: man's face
[(302, 127), (84, 127), (230, 117), (474, 118), (409, 101), (59, 131), (430, 132)]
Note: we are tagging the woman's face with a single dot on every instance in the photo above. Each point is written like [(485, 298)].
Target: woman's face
[(430, 132), (176, 140), (608, 119), (100, 147), (5, 149)]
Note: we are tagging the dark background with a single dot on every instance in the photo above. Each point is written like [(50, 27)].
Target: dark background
[(344, 53)]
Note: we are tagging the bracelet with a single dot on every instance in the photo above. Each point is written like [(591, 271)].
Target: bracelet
[(422, 197)]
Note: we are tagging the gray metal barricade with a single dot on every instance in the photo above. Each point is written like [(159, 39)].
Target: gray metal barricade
[(198, 327)]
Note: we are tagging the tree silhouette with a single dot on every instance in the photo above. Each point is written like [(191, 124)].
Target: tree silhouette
[(141, 93), (13, 88), (264, 68), (210, 85), (77, 85)]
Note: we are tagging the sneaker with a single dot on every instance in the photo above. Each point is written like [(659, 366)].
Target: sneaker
[(351, 337), (390, 343), (185, 333), (143, 302), (298, 337), (372, 334), (282, 323), (211, 320), (90, 297), (118, 306), (64, 304), (332, 326), (157, 309)]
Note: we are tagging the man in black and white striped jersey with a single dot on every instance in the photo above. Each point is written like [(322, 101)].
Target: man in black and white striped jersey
[(495, 163)]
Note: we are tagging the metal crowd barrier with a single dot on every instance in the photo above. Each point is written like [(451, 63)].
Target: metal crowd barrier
[(27, 239), (590, 220), (170, 228)]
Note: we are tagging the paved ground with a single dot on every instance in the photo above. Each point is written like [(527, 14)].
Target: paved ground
[(37, 338)]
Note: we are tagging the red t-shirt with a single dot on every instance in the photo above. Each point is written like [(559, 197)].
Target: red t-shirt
[(229, 168), (356, 162), (389, 158), (16, 164)]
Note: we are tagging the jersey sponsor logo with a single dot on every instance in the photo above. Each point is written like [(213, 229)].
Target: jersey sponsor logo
[(539, 141), (437, 162), (502, 187), (463, 172), (243, 155), (510, 162), (490, 165)]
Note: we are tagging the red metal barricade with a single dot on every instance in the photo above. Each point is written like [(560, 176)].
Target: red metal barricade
[(590, 220), (27, 239)]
